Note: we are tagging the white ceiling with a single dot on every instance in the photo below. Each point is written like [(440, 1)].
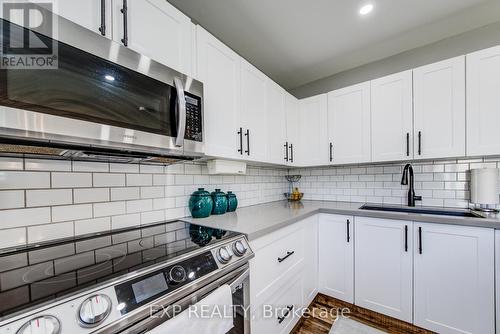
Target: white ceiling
[(299, 41)]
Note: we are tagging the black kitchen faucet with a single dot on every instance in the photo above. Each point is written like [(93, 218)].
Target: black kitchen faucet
[(411, 190)]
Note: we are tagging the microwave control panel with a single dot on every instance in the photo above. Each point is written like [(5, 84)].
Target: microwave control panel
[(194, 118)]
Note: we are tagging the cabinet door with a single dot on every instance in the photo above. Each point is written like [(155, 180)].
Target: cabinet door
[(310, 232), (483, 102), (253, 115), (454, 278), (157, 30), (349, 124), (336, 256), (392, 117), (276, 120), (313, 130), (383, 266), (439, 109), (219, 70), (87, 14), (292, 129)]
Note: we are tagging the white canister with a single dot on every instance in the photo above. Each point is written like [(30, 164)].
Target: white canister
[(484, 186)]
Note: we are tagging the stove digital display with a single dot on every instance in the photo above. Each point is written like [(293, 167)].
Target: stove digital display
[(149, 287)]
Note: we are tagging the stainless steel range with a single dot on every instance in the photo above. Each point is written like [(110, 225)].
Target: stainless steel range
[(121, 282)]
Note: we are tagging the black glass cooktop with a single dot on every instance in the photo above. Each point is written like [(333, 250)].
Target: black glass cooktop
[(39, 273)]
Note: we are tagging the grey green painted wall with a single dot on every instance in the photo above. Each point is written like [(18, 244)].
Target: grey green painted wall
[(467, 42)]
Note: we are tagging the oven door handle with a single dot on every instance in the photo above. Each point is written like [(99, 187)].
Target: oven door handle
[(180, 112), (236, 283)]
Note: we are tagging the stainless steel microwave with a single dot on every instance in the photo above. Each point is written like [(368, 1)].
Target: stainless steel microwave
[(102, 101)]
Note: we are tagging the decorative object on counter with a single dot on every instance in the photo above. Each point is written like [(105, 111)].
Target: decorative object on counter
[(220, 202), (294, 194), (484, 189), (232, 201), (200, 204)]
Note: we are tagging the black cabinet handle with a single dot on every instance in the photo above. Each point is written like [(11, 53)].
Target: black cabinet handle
[(240, 133), (287, 312), (291, 152), (348, 231), (407, 144), (406, 238), (247, 134), (331, 152), (286, 151), (102, 28), (420, 240), (420, 143), (288, 254), (124, 11)]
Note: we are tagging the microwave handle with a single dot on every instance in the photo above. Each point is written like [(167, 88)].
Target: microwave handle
[(181, 112)]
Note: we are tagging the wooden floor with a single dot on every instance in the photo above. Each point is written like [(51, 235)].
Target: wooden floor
[(324, 310)]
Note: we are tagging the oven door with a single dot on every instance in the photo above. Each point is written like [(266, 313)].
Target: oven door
[(107, 97), (238, 280)]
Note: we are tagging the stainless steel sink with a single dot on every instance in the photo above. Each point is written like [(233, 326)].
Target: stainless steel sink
[(424, 211)]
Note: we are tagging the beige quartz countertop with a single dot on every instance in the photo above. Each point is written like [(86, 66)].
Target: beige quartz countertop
[(259, 220)]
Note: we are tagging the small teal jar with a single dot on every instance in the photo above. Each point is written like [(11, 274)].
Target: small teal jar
[(232, 201), (200, 203), (220, 202)]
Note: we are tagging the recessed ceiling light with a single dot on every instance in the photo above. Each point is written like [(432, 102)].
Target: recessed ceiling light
[(109, 77), (366, 9)]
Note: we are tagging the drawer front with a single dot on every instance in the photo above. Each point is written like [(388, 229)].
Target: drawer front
[(275, 258), (281, 311)]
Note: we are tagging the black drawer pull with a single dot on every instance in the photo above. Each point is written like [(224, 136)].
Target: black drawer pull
[(407, 144), (287, 312), (291, 152), (406, 238), (288, 254), (420, 143), (248, 142), (331, 152), (348, 232), (420, 240), (124, 11), (286, 151), (102, 28)]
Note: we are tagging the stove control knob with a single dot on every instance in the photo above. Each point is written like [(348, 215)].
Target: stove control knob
[(223, 255), (45, 324), (239, 248), (177, 274), (94, 310)]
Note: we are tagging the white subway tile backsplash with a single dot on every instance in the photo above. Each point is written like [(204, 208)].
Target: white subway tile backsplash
[(125, 193), (48, 197), (91, 195), (71, 180), (123, 221), (151, 169), (109, 180), (139, 180), (11, 199), (109, 209), (92, 225), (24, 217), (7, 163), (50, 231), (139, 205), (123, 168), (13, 237), (48, 165), (24, 180), (71, 212), (89, 166), (152, 192)]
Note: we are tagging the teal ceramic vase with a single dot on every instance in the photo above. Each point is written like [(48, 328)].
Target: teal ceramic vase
[(220, 202), (232, 201), (200, 204)]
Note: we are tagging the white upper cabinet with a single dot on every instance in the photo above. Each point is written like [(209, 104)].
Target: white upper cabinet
[(156, 29), (219, 70), (313, 146), (454, 279), (276, 123), (383, 266), (89, 14), (483, 102), (349, 124), (336, 256), (253, 112), (292, 156), (439, 109), (392, 117)]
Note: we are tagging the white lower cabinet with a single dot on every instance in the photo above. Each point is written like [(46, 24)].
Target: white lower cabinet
[(383, 266), (454, 278), (283, 276), (336, 256)]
